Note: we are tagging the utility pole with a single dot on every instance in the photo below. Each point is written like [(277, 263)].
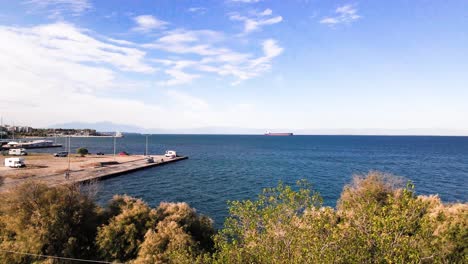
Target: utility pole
[(115, 138), (67, 174), (146, 149)]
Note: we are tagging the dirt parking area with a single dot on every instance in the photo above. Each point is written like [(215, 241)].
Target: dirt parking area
[(46, 164)]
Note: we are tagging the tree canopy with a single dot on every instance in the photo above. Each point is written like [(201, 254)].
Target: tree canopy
[(82, 151), (378, 219)]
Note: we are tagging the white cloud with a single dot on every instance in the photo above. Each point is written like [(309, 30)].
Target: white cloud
[(246, 1), (146, 23), (181, 36), (61, 53), (198, 42), (59, 73), (43, 67), (197, 10), (257, 21), (57, 8), (270, 50), (213, 57), (178, 77), (67, 42), (266, 12), (345, 14)]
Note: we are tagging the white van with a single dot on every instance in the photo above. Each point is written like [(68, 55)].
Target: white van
[(17, 152), (14, 162), (170, 154)]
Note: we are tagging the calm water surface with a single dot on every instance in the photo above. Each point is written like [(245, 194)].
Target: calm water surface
[(222, 168)]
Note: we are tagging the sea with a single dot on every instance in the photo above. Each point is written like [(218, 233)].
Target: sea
[(224, 168)]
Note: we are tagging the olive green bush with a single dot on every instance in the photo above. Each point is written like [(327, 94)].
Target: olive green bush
[(58, 221), (378, 219)]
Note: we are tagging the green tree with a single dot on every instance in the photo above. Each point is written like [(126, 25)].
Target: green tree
[(378, 219), (180, 236), (272, 229), (381, 221), (82, 151), (57, 221), (130, 218)]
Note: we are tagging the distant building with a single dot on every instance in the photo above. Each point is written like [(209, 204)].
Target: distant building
[(19, 129)]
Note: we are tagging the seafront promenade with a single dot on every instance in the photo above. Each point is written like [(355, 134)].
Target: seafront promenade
[(51, 170)]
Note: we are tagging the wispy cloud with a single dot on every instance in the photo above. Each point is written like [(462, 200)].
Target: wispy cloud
[(68, 42), (189, 42), (74, 67), (246, 1), (257, 20), (57, 8), (345, 14), (197, 10), (224, 63), (183, 55), (178, 77), (147, 23)]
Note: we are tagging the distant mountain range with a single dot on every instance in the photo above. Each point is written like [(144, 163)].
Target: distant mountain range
[(102, 127), (112, 127)]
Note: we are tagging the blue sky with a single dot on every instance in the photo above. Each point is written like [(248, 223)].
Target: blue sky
[(304, 66)]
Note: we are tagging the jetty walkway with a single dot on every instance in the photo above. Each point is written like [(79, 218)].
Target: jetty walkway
[(105, 168)]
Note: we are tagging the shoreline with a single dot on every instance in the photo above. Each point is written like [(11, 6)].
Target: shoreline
[(51, 170)]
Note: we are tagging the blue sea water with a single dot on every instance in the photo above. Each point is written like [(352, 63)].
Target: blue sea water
[(236, 167)]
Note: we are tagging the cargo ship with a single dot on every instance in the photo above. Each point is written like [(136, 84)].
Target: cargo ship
[(278, 134)]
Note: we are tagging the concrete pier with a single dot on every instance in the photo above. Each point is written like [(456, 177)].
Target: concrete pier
[(51, 171)]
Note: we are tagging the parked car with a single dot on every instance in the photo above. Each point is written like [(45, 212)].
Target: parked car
[(170, 154), (17, 152), (123, 153), (149, 159), (61, 154), (100, 153)]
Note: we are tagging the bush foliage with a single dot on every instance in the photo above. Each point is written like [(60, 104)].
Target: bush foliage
[(82, 152), (378, 219)]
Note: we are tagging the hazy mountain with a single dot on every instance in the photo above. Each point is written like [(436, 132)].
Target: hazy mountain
[(102, 127), (110, 127)]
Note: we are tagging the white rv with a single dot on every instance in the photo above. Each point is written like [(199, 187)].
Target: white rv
[(17, 152), (14, 162), (170, 154)]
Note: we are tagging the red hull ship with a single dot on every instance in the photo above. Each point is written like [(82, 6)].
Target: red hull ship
[(278, 134)]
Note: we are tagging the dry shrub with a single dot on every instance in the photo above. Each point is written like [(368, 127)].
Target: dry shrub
[(449, 226), (159, 246), (38, 219), (375, 186), (130, 218)]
